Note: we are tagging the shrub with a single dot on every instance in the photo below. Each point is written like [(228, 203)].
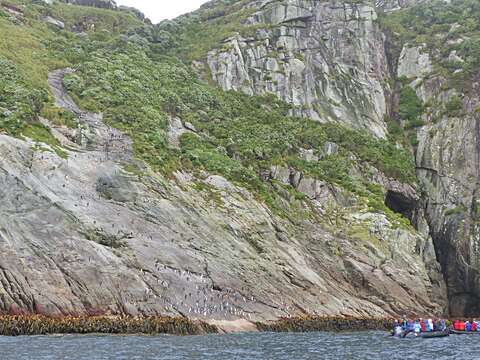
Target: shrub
[(454, 105), (410, 105)]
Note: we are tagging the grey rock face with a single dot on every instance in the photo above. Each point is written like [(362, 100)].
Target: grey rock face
[(99, 233), (175, 130), (117, 187), (325, 57), (414, 62), (54, 22), (451, 180), (447, 167)]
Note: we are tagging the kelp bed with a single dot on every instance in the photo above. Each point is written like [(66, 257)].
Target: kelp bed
[(42, 325), (305, 324)]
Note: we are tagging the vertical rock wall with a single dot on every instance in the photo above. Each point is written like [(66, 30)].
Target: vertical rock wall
[(326, 58), (447, 159)]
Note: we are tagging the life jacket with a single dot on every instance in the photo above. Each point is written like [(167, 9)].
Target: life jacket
[(417, 327), (468, 326), (423, 326), (461, 326), (427, 325), (474, 326)]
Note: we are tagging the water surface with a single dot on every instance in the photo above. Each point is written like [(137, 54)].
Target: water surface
[(291, 346)]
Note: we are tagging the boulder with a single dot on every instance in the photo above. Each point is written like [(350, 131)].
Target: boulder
[(54, 22)]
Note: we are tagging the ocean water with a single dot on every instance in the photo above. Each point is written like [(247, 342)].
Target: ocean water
[(291, 346)]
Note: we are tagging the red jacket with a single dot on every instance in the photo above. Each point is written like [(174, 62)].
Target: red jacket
[(424, 327), (474, 326)]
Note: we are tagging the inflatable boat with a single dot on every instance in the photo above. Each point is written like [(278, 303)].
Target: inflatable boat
[(460, 332)]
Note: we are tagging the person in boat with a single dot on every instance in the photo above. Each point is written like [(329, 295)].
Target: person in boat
[(397, 329), (442, 326), (423, 327), (410, 326), (417, 328), (474, 325), (430, 325), (398, 332), (468, 326), (404, 323), (395, 324), (427, 325)]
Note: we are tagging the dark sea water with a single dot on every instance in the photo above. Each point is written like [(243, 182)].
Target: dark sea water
[(293, 346)]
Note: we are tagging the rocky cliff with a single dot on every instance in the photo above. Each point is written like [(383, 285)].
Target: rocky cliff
[(135, 188), (301, 52), (83, 234), (327, 58), (447, 152)]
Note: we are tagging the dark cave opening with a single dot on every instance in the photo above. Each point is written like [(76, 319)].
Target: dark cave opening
[(453, 252), (400, 204)]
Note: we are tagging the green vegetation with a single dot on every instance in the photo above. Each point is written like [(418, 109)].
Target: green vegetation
[(443, 27), (460, 209), (19, 101), (410, 108), (238, 136), (137, 94), (410, 111), (58, 116), (41, 135), (450, 32), (30, 48), (191, 36), (27, 47), (395, 130), (454, 105), (20, 104), (104, 22)]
